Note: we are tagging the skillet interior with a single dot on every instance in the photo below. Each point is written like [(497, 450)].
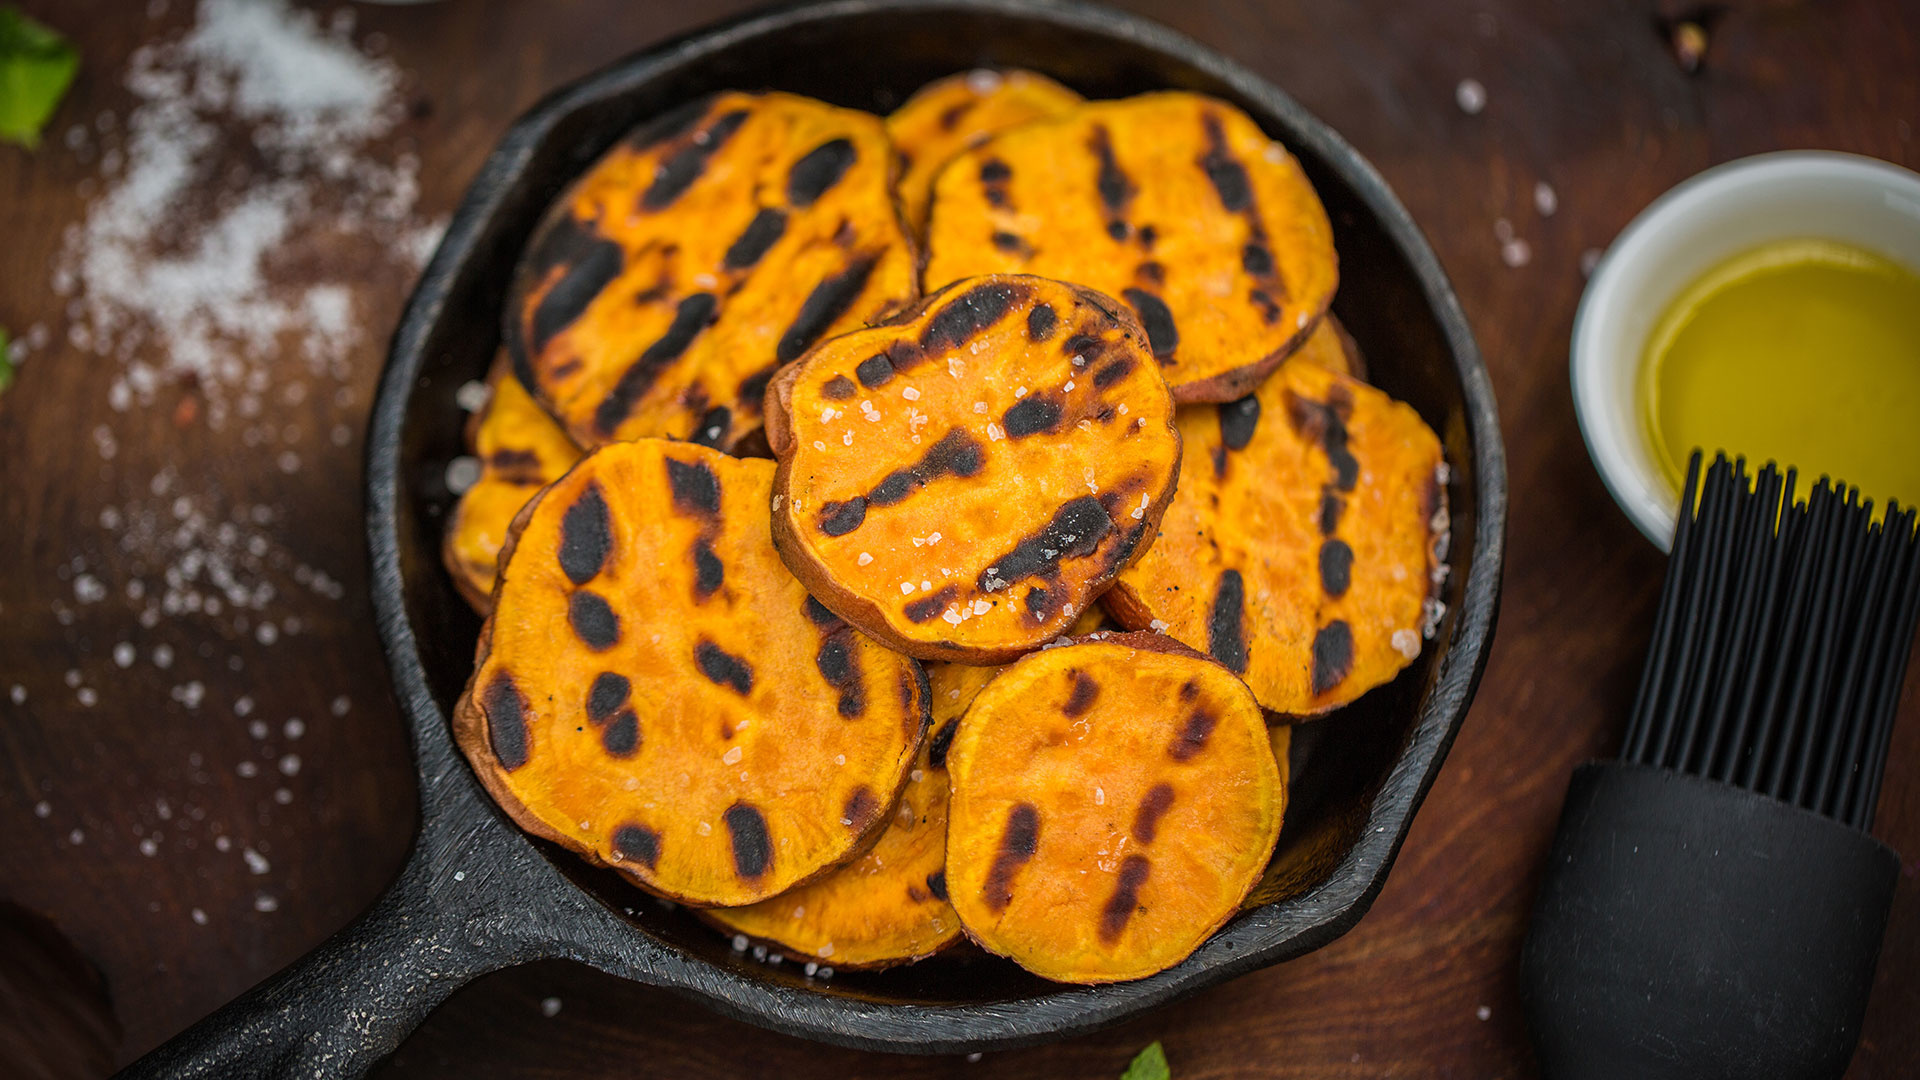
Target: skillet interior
[(1359, 776)]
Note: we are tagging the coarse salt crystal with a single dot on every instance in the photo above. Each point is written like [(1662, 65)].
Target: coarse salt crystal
[(733, 756), (124, 654), (864, 559), (910, 394), (1406, 643), (256, 862), (1470, 96)]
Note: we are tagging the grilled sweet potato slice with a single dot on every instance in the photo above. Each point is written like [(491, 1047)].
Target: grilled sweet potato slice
[(655, 691), (521, 450), (1113, 802), (887, 907), (1305, 543), (1176, 203), (701, 253), (1330, 347), (948, 115), (961, 483)]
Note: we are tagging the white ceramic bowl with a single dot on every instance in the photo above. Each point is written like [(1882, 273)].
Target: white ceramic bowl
[(1721, 212)]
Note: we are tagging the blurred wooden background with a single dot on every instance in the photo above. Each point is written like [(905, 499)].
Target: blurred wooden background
[(186, 837)]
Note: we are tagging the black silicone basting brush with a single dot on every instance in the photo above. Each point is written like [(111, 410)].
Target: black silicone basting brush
[(1713, 904)]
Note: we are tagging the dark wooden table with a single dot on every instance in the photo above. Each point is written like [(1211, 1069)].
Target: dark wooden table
[(1585, 97)]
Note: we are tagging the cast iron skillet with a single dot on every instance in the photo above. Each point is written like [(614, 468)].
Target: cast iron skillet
[(477, 894)]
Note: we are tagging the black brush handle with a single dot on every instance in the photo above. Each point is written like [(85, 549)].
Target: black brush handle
[(1686, 929), (341, 1008)]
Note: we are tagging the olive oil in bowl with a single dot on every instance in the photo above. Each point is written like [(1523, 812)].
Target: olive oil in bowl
[(1804, 352)]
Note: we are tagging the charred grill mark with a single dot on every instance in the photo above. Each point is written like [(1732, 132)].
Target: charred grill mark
[(942, 742), (1224, 171), (565, 240), (937, 885), (874, 372), (593, 620), (1075, 531), (711, 431), (1332, 655), (621, 738), (1125, 898), (840, 518), (1238, 420), (820, 169), (1325, 423), (689, 318), (1011, 243), (931, 605), (1081, 695), (708, 572), (765, 230), (695, 488), (509, 460), (1017, 844), (638, 843), (1121, 553), (753, 388), (818, 613), (1031, 416), (1336, 567), (684, 166), (1330, 507), (861, 808), (506, 722), (1112, 372), (968, 314), (1041, 322), (1189, 690), (1226, 636), (1162, 335), (1113, 184), (586, 536), (1117, 229), (956, 454), (1255, 259), (723, 668), (836, 663), (994, 175), (1269, 309), (567, 299), (752, 846), (1146, 820), (608, 695), (1042, 602), (950, 119), (1152, 272), (823, 307), (838, 388), (1193, 737)]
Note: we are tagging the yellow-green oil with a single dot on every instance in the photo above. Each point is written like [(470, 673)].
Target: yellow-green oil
[(1802, 352)]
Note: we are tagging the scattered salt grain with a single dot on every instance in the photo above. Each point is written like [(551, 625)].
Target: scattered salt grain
[(290, 765), (910, 394), (257, 729), (472, 395), (256, 862), (247, 769), (283, 796), (1099, 796), (199, 917), (87, 696), (906, 588), (73, 678), (974, 1058), (1483, 1013), (340, 705), (294, 728), (124, 654), (42, 809), (77, 837), (163, 659), (1470, 96), (18, 694), (242, 707), (740, 943), (550, 1007), (149, 847), (223, 844), (1545, 200), (462, 473), (1406, 643), (263, 902), (733, 756), (864, 559)]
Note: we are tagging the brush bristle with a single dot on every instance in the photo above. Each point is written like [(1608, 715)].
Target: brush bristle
[(1781, 641)]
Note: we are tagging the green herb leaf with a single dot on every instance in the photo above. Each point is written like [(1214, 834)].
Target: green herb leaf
[(36, 67), (1150, 1064), (6, 362)]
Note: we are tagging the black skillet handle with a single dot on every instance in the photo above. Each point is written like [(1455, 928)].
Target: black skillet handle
[(341, 1008)]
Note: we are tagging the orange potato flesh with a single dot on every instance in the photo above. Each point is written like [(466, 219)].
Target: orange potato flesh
[(1174, 202), (887, 907), (1113, 802), (948, 115), (1305, 543), (1329, 347), (963, 482), (521, 450), (656, 692), (698, 256)]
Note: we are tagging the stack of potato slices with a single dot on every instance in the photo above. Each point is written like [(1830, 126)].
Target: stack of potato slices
[(1076, 501)]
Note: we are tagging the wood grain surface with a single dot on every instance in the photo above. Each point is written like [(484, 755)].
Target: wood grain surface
[(112, 814)]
